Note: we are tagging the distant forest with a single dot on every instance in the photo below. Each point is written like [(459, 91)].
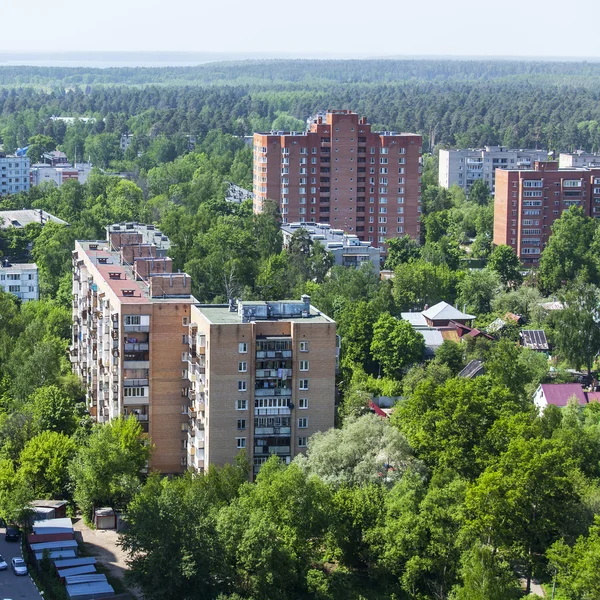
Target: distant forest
[(454, 103)]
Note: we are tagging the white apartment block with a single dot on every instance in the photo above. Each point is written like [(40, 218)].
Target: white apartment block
[(463, 167), (347, 249), (43, 173), (20, 280), (570, 160), (14, 174)]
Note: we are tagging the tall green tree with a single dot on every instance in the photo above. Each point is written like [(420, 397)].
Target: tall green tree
[(396, 345), (506, 263)]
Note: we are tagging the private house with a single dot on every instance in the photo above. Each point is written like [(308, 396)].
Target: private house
[(559, 394)]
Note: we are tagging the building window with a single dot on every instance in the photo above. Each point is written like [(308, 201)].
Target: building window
[(240, 442), (241, 404), (302, 442), (242, 347), (302, 423), (304, 365), (303, 384), (241, 423), (133, 320), (242, 366), (241, 386), (303, 403), (303, 346)]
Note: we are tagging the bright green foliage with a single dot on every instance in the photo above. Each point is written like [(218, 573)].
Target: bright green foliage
[(578, 567), (477, 290), (271, 532), (485, 576), (419, 283), (38, 145), (174, 549), (578, 326), (14, 495), (401, 250), (366, 450), (525, 501), (106, 470), (44, 464), (53, 410), (452, 355), (506, 263), (571, 252), (396, 345), (479, 193), (446, 423)]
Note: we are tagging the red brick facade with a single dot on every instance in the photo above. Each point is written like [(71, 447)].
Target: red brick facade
[(342, 173), (528, 202)]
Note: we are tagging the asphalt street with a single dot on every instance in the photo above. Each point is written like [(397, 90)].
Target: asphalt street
[(11, 586)]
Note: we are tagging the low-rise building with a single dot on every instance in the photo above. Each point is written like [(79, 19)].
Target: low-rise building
[(20, 280), (261, 379), (559, 394), (22, 218), (347, 249), (44, 173)]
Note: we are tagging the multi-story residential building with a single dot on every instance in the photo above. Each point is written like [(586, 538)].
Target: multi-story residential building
[(262, 378), (340, 172), (346, 248), (14, 174), (43, 173), (464, 167), (527, 202), (130, 335), (570, 160), (20, 280)]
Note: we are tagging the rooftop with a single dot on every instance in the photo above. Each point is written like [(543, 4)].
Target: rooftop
[(20, 218), (446, 312), (18, 266), (535, 339), (150, 233), (120, 278), (559, 394), (280, 310)]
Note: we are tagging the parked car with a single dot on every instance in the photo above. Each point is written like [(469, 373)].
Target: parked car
[(18, 566), (12, 534), (3, 565)]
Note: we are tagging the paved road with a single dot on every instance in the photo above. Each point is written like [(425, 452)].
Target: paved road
[(11, 586)]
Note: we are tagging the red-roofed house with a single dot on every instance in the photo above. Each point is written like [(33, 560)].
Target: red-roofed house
[(559, 395)]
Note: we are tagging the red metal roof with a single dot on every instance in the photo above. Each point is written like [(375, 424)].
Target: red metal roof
[(377, 410), (43, 538)]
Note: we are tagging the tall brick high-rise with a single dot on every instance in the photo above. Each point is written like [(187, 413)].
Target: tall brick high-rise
[(527, 202), (340, 172)]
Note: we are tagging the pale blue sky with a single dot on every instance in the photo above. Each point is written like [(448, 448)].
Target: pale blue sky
[(305, 27)]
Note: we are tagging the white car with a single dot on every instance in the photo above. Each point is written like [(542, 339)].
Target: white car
[(3, 565), (19, 566)]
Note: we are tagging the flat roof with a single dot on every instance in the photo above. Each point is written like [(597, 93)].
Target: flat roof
[(219, 314), (126, 280), (19, 267), (20, 218)]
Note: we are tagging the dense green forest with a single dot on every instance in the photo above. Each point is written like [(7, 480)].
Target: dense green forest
[(466, 492), (456, 103)]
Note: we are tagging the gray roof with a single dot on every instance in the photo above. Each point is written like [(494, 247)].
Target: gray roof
[(535, 339), (433, 339), (416, 319), (20, 218), (473, 369), (74, 562), (98, 589), (64, 525), (496, 325), (446, 312), (82, 570)]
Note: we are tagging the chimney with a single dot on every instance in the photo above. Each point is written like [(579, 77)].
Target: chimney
[(306, 308)]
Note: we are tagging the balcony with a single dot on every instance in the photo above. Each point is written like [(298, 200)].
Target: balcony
[(272, 430), (273, 354), (139, 328), (133, 382), (136, 364), (261, 392), (137, 347), (265, 450), (136, 401)]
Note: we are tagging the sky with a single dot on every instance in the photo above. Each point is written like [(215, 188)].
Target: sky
[(326, 28)]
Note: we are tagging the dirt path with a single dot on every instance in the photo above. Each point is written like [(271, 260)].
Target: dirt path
[(102, 543)]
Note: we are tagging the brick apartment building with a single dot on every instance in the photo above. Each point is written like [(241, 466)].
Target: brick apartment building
[(262, 378), (527, 202), (130, 325), (340, 172)]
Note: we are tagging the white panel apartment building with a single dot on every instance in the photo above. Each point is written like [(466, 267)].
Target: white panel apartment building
[(14, 174), (463, 167), (20, 280)]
